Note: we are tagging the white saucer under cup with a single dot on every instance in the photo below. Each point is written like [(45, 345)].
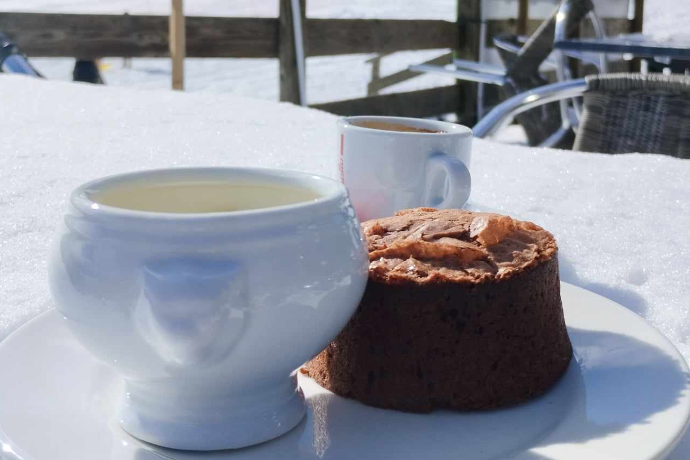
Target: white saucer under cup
[(625, 396)]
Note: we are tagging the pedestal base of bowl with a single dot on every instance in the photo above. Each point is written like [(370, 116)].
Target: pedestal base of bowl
[(216, 426)]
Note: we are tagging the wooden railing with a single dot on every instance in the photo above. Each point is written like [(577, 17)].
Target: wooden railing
[(97, 36), (89, 36)]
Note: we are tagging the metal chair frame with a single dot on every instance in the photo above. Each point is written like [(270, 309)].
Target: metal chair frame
[(623, 112), (504, 113), (497, 75)]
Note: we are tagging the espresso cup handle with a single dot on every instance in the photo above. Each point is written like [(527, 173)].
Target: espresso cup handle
[(441, 170), (192, 312)]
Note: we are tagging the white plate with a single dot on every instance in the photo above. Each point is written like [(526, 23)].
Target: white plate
[(625, 396)]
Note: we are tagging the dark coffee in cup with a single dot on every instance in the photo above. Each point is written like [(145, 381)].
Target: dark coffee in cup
[(386, 126)]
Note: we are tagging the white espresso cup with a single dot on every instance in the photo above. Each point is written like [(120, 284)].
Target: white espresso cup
[(205, 288), (386, 169)]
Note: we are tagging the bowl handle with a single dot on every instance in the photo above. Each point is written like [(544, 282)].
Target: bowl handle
[(192, 311)]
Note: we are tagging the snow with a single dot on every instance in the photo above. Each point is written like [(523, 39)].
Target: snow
[(666, 20), (403, 9), (388, 9), (619, 220), (328, 78)]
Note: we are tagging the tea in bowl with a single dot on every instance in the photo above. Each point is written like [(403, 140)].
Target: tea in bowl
[(205, 288)]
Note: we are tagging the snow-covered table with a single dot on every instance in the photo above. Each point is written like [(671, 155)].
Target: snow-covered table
[(622, 221)]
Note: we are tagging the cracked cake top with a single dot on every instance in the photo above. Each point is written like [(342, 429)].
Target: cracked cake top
[(429, 246)]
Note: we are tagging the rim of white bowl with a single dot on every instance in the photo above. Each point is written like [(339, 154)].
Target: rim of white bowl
[(328, 190)]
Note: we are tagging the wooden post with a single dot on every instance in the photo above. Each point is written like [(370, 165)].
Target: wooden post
[(639, 16), (177, 44), (126, 60), (375, 74), (523, 17), (636, 26), (289, 78), (469, 23)]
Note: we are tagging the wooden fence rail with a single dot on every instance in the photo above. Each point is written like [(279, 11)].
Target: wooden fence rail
[(378, 82), (421, 103), (97, 36)]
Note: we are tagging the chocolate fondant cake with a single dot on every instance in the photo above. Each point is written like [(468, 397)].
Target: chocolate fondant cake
[(462, 310)]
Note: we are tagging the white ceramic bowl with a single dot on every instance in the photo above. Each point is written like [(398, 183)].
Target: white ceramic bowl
[(207, 315)]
